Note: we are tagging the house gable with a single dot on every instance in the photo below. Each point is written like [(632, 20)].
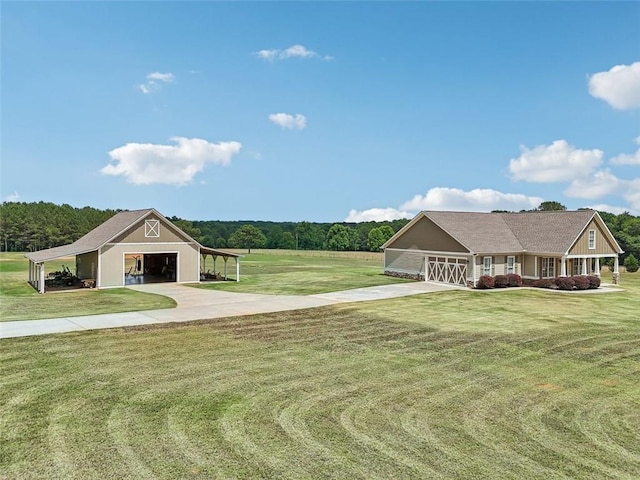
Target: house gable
[(604, 241), (424, 234), (152, 229)]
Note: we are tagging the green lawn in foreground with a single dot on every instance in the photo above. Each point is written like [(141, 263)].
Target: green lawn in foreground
[(19, 301), (519, 384), (293, 272)]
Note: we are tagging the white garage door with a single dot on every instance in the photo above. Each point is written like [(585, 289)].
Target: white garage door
[(447, 270)]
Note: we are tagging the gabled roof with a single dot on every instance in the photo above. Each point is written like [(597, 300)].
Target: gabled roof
[(548, 232), (103, 234), (540, 232)]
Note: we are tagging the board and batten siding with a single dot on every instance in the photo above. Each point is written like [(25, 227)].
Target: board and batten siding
[(136, 234), (112, 261), (603, 243), (426, 235)]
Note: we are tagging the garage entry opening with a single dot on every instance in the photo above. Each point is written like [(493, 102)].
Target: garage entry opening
[(150, 268)]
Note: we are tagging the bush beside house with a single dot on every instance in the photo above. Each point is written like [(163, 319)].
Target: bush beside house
[(576, 282)]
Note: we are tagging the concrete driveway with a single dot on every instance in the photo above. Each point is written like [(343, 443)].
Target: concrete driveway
[(200, 304)]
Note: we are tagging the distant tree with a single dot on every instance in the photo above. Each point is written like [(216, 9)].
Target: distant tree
[(631, 264), (341, 238), (288, 241), (247, 237), (551, 206), (310, 236), (378, 236), (187, 227)]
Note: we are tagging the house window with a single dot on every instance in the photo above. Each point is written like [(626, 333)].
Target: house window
[(511, 265), (486, 266), (592, 239), (152, 228), (577, 266), (548, 267)]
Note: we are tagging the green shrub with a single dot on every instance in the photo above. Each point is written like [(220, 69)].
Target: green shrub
[(631, 264)]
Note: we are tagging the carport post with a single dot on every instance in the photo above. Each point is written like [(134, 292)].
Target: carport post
[(237, 269), (41, 283)]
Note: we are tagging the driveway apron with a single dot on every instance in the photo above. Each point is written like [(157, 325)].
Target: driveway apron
[(200, 304)]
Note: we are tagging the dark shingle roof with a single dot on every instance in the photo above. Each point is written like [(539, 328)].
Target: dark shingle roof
[(102, 234), (548, 232), (479, 232), (539, 232), (94, 239)]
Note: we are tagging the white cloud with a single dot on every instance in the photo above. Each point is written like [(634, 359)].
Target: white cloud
[(14, 197), (558, 162), (479, 199), (146, 163), (442, 198), (626, 159), (269, 55), (294, 51), (376, 215), (285, 120), (604, 183), (619, 87), (598, 185), (154, 81), (603, 207), (298, 51), (161, 77)]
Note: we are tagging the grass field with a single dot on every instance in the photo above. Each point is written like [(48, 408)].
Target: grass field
[(19, 301), (291, 272), (519, 384)]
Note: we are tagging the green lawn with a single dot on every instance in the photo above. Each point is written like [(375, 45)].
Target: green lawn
[(519, 384), (289, 272), (19, 301)]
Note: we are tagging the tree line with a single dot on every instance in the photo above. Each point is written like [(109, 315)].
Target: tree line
[(38, 225)]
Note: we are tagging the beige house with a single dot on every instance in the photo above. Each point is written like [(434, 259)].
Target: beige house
[(132, 247), (459, 247)]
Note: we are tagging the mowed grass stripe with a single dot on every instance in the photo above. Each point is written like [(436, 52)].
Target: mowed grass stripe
[(390, 389)]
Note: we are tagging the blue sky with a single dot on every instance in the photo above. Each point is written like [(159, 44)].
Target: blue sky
[(322, 111)]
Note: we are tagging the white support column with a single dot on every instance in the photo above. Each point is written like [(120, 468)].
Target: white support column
[(225, 267), (473, 269), (41, 283), (535, 266), (214, 264), (563, 267), (237, 269), (616, 265), (597, 271), (584, 266)]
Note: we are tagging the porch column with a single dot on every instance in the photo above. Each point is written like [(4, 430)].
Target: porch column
[(535, 266), (597, 270), (473, 269), (225, 267), (584, 266), (214, 264), (237, 269), (41, 284), (616, 265), (563, 267)]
